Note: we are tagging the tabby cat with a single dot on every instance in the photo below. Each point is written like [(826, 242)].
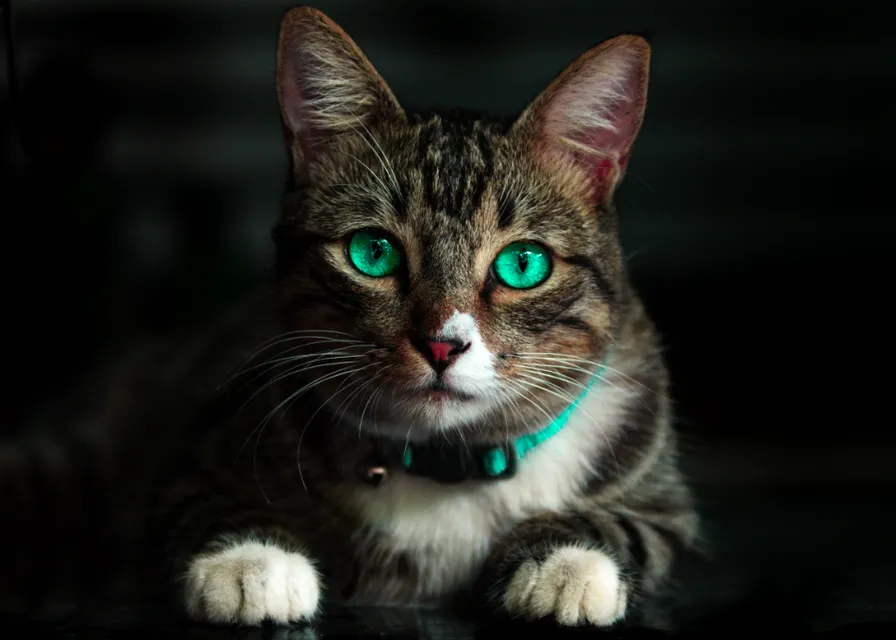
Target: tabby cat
[(451, 389)]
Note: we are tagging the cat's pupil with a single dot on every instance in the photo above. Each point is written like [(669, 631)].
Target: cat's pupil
[(377, 250), (522, 261)]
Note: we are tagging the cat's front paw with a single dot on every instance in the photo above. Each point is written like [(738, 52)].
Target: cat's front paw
[(576, 586), (249, 583)]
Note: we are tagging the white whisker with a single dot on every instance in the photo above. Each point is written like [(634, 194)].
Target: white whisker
[(329, 362), (381, 156), (292, 397), (555, 376), (259, 429), (370, 398), (304, 333), (539, 384), (279, 360), (382, 196), (346, 403), (511, 386), (558, 363), (607, 380)]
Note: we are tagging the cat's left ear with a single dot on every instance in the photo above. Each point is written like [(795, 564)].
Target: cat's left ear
[(326, 86), (591, 114)]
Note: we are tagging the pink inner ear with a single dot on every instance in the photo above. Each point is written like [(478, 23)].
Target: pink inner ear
[(599, 108), (292, 110), (603, 170), (612, 148), (297, 104), (611, 153), (292, 100)]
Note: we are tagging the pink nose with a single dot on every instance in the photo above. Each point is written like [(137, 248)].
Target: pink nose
[(440, 350), (443, 352)]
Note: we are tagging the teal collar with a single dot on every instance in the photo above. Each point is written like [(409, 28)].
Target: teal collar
[(451, 464), (495, 462)]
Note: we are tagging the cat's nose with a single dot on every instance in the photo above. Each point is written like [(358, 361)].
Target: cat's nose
[(441, 353)]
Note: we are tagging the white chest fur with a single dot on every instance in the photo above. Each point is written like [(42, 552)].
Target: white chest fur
[(448, 530)]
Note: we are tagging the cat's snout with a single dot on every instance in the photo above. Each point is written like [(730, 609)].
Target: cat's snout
[(440, 354)]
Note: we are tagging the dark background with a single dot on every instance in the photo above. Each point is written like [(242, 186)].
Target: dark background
[(142, 167)]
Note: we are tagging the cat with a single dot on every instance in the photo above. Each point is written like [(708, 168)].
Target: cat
[(451, 389)]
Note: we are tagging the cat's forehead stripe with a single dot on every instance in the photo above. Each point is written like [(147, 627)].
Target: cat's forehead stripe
[(456, 163), (506, 206)]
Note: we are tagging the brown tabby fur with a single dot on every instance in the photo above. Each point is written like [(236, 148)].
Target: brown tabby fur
[(452, 189)]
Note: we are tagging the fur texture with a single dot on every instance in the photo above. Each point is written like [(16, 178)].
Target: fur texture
[(258, 509)]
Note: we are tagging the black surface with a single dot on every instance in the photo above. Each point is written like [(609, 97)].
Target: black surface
[(433, 625), (800, 561)]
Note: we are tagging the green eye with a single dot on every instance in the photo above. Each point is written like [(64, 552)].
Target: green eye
[(373, 253), (523, 265)]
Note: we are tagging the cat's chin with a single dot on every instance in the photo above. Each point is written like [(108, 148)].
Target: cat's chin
[(439, 408), (422, 412)]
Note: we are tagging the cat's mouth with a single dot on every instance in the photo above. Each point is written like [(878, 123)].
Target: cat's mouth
[(439, 391)]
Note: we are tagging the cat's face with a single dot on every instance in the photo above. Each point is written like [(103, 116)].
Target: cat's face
[(450, 271)]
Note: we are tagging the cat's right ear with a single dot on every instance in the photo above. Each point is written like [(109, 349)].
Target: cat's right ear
[(325, 85), (592, 112)]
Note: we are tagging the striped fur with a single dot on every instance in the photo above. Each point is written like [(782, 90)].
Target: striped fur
[(243, 500)]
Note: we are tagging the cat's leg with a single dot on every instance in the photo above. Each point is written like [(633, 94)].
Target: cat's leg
[(239, 564), (588, 566)]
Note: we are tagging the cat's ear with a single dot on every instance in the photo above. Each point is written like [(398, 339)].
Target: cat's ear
[(325, 84), (591, 114)]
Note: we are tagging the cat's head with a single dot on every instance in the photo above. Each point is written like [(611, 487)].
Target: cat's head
[(450, 271)]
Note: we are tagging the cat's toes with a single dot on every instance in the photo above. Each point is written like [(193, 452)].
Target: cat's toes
[(576, 586), (250, 583)]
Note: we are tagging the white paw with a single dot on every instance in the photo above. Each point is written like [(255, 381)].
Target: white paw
[(249, 583), (576, 586)]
